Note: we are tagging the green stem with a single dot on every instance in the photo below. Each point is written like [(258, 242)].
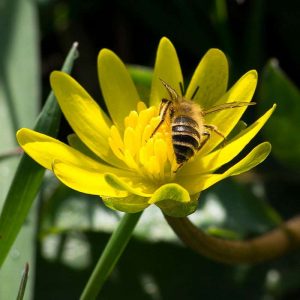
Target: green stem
[(110, 255)]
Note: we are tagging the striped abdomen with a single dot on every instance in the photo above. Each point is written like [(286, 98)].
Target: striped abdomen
[(185, 138)]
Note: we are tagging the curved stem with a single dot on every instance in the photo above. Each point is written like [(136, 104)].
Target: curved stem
[(265, 247), (110, 255)]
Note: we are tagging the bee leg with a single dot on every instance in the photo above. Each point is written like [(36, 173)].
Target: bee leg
[(216, 130), (165, 106), (178, 167), (205, 140)]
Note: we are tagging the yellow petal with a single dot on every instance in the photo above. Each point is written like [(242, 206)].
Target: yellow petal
[(198, 183), (225, 120), (223, 155), (167, 68), (83, 114), (85, 180), (211, 77), (117, 87), (254, 158), (44, 150)]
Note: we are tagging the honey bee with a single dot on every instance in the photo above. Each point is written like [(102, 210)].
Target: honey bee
[(189, 131)]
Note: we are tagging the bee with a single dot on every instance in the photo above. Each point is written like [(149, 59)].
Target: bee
[(188, 128)]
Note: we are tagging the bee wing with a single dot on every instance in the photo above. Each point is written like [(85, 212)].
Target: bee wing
[(226, 106)]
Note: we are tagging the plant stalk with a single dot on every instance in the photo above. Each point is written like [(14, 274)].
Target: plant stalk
[(110, 256)]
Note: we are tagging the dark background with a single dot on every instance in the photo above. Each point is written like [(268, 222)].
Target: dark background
[(249, 32)]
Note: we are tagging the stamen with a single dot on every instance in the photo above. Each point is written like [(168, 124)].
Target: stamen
[(132, 119), (151, 157), (130, 141)]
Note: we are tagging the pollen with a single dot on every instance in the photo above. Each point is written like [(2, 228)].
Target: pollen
[(150, 156)]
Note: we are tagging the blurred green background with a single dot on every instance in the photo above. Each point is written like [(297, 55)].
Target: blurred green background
[(65, 232)]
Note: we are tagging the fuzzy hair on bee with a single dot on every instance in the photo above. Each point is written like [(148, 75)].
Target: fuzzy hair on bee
[(188, 128)]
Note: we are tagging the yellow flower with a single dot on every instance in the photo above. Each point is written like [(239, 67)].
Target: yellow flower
[(116, 157)]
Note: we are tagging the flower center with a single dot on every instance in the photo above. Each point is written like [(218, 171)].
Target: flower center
[(150, 156)]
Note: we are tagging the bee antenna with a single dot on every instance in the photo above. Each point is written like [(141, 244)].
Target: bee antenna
[(195, 92), (173, 94)]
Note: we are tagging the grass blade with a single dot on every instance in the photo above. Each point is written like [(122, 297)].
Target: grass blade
[(29, 174), (23, 283)]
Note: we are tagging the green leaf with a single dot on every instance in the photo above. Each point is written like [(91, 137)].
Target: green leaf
[(29, 174), (283, 128)]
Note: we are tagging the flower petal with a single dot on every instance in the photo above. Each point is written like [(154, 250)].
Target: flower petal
[(211, 77), (254, 158), (198, 183), (167, 68), (117, 87), (85, 180), (129, 204), (174, 200), (225, 120), (83, 114), (223, 155), (44, 149)]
